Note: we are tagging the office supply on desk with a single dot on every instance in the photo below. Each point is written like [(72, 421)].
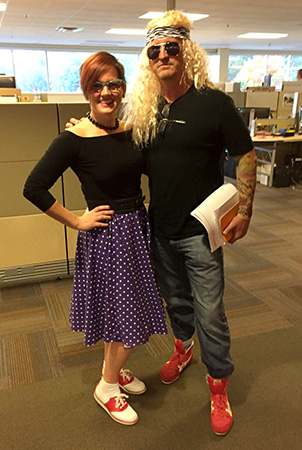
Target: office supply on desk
[(7, 81)]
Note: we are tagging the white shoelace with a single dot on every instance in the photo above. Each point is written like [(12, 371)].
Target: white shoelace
[(127, 374), (120, 401)]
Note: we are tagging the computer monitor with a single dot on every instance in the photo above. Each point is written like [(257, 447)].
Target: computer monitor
[(259, 113), (7, 82)]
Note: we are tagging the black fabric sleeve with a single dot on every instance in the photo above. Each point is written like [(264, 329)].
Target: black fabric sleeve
[(236, 134), (59, 156)]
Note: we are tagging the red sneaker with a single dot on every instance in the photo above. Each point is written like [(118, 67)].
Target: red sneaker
[(118, 408), (221, 413), (179, 360)]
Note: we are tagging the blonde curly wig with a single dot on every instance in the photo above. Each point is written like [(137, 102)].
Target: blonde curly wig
[(140, 112)]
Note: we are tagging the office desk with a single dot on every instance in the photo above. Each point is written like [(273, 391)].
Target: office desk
[(267, 149)]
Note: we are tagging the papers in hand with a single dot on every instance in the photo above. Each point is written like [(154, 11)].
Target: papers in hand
[(216, 212)]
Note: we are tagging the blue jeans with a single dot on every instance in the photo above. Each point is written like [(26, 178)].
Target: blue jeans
[(191, 279)]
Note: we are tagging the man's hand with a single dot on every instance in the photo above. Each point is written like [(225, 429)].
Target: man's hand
[(238, 227), (72, 122), (97, 217)]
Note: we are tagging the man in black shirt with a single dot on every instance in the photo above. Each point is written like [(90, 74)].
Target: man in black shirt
[(185, 126)]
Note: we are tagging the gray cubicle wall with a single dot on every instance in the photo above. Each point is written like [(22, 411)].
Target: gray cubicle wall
[(239, 98), (25, 133), (32, 245)]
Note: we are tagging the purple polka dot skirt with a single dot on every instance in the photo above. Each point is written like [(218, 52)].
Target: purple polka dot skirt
[(115, 296)]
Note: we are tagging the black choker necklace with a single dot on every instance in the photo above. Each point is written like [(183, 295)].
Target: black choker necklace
[(103, 127)]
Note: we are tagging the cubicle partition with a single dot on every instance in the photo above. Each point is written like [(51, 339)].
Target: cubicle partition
[(33, 246)]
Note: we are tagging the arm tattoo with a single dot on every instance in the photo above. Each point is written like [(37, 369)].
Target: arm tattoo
[(246, 183)]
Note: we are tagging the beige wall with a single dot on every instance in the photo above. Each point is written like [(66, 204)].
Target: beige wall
[(29, 237)]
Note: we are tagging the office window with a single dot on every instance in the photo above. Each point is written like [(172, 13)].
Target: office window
[(278, 66), (296, 64), (236, 65), (250, 70), (214, 66), (58, 71), (64, 70), (6, 62), (130, 62), (30, 70)]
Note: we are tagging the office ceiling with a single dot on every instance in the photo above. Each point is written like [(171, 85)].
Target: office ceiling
[(35, 21)]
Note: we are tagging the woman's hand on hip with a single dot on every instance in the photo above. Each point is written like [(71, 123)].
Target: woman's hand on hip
[(98, 217)]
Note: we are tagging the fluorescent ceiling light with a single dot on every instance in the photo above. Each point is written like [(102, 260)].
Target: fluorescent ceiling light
[(3, 6), (155, 15), (69, 29), (262, 35), (131, 31)]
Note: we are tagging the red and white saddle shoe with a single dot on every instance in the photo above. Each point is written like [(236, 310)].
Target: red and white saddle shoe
[(130, 384), (118, 408)]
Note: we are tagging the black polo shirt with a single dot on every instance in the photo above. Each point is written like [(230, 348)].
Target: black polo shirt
[(184, 163)]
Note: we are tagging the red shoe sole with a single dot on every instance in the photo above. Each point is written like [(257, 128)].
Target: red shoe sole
[(224, 433)]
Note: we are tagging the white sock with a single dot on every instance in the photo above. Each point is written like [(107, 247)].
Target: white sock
[(105, 391)]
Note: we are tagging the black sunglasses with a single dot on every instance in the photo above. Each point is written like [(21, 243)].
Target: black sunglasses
[(112, 85), (172, 48), (163, 122)]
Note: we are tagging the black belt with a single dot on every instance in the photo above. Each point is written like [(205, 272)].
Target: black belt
[(120, 206)]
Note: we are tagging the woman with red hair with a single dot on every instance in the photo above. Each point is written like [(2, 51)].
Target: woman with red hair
[(115, 296)]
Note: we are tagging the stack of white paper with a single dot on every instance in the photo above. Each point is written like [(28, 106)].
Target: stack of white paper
[(216, 212)]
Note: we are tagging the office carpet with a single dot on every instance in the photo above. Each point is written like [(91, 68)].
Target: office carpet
[(265, 392), (47, 376)]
